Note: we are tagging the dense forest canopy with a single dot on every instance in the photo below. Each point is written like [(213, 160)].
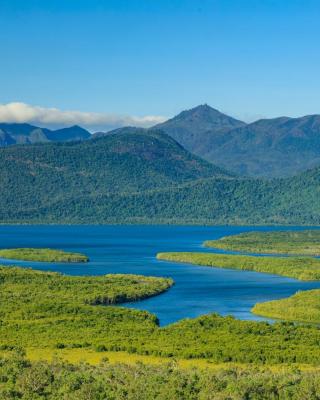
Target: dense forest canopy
[(138, 176)]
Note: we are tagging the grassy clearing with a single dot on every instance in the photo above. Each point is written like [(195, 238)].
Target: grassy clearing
[(301, 307), (303, 268), (44, 255), (95, 358), (292, 243), (92, 357)]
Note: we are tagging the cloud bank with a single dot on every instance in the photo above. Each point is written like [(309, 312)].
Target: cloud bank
[(56, 118)]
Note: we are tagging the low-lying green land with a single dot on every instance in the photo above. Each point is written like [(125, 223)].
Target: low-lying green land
[(43, 289), (292, 242), (303, 268), (21, 379), (45, 255), (302, 307), (49, 320), (48, 317), (42, 311)]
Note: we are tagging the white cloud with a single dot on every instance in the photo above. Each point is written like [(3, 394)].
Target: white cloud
[(53, 117)]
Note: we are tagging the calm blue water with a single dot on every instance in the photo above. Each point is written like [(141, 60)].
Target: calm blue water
[(132, 249)]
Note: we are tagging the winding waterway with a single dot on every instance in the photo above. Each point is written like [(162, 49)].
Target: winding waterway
[(132, 249)]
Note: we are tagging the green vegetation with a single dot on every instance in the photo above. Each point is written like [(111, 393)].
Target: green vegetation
[(138, 176), (291, 242), (45, 255), (225, 339), (43, 310), (302, 307), (21, 379), (303, 268), (48, 315), (58, 310), (62, 289)]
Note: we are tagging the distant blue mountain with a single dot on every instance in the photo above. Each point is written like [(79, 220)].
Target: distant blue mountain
[(28, 134), (276, 147), (69, 134)]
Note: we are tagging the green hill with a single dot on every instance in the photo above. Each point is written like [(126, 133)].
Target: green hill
[(143, 176)]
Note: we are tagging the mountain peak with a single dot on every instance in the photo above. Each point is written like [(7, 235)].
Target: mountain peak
[(71, 133), (204, 108), (205, 112), (76, 127), (196, 128), (71, 128)]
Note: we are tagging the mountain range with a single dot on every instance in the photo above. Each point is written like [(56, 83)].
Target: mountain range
[(267, 148), (143, 176), (278, 147), (28, 134)]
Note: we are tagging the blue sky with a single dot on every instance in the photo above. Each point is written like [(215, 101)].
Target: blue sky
[(154, 58)]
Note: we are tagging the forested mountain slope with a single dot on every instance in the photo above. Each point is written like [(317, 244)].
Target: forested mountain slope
[(143, 176)]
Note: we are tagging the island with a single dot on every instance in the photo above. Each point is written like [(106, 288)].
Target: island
[(301, 307), (303, 268), (306, 242), (44, 255)]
